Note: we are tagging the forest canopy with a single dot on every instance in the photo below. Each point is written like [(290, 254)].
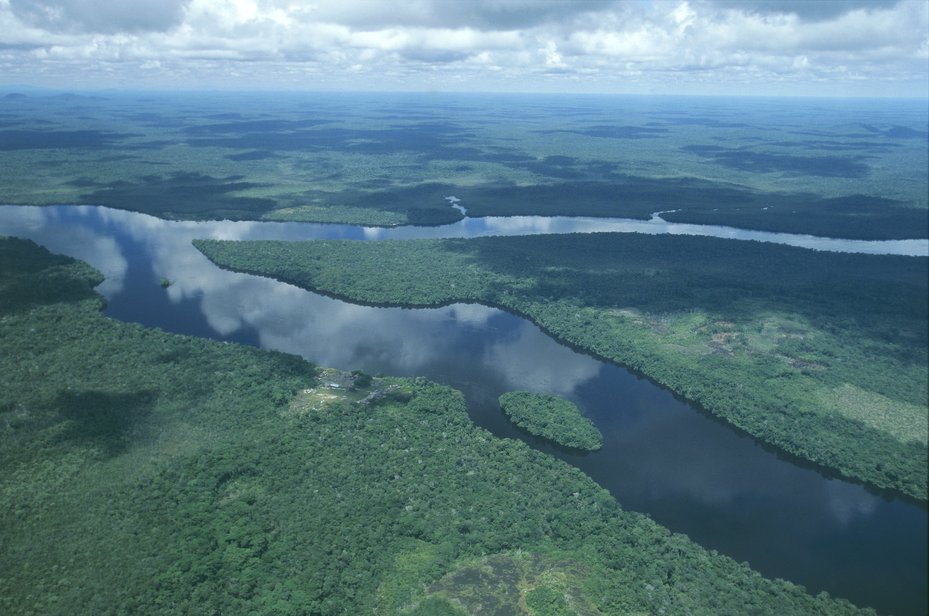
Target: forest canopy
[(801, 349), (148, 473), (552, 418), (832, 170)]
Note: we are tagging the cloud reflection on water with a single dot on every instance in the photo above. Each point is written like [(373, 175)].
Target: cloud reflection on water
[(533, 361), (401, 341), (285, 318), (81, 242), (694, 474)]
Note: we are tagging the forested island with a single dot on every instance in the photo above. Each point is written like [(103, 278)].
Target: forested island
[(803, 350), (552, 418), (149, 473)]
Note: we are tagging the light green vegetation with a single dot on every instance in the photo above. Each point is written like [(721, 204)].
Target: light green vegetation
[(823, 355), (511, 583), (337, 214), (850, 170), (553, 418), (148, 473)]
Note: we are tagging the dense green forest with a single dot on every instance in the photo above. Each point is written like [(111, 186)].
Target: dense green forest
[(553, 418), (148, 473), (823, 355), (362, 160), (700, 202)]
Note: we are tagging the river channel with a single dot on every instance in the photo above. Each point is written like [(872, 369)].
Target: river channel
[(688, 471)]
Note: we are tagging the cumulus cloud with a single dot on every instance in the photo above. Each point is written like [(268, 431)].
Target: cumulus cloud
[(99, 16), (662, 46), (806, 9), (478, 14)]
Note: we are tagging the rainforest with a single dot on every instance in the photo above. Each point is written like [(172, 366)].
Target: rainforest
[(551, 417), (777, 340), (468, 354), (202, 481)]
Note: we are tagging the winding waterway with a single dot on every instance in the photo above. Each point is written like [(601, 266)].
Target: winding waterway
[(685, 469)]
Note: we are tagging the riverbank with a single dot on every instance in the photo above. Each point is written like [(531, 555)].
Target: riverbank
[(145, 469), (807, 356)]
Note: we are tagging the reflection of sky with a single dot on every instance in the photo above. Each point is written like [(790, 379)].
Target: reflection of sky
[(518, 225), (339, 334), (78, 241), (677, 455), (552, 369), (326, 331), (537, 225), (494, 226), (692, 473)]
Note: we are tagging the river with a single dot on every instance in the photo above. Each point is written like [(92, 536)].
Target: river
[(685, 469)]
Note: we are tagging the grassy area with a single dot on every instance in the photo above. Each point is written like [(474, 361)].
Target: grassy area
[(337, 214), (804, 350), (149, 473)]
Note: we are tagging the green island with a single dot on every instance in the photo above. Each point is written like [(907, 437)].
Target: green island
[(553, 418), (150, 473), (823, 355)]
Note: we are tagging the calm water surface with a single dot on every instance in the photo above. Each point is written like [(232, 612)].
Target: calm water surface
[(686, 470)]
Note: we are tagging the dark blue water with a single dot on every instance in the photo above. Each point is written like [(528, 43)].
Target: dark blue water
[(685, 469)]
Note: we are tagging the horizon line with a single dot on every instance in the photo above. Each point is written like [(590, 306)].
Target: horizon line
[(6, 89)]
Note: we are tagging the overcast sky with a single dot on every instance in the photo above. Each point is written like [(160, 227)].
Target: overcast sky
[(763, 47)]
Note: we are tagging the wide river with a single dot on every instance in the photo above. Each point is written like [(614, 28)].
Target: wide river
[(688, 471)]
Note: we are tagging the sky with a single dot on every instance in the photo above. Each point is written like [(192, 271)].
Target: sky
[(710, 47)]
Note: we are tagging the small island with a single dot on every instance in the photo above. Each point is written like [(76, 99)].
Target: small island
[(552, 418)]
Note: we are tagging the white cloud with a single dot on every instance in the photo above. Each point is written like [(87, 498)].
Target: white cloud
[(478, 14), (814, 10), (99, 16), (491, 44)]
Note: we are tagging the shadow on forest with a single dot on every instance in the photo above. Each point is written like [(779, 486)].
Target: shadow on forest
[(660, 274), (609, 131), (19, 283), (180, 195), (24, 139), (103, 419), (766, 162)]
